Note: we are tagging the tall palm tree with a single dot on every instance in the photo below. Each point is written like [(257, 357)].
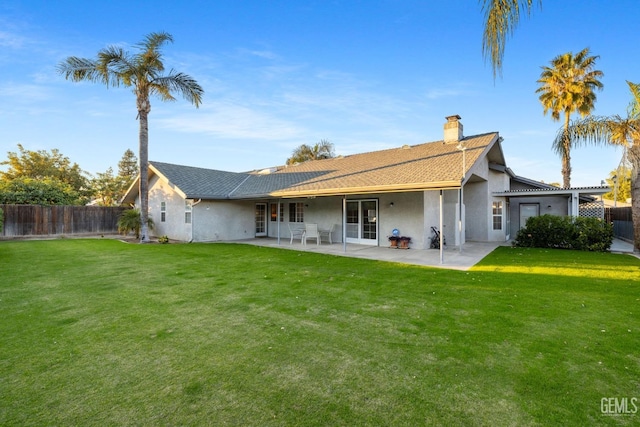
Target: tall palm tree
[(501, 19), (320, 150), (143, 72), (617, 131), (567, 86)]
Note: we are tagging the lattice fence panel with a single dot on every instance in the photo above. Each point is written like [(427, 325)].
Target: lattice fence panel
[(592, 209)]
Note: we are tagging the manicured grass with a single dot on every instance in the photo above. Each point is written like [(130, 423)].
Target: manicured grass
[(99, 332)]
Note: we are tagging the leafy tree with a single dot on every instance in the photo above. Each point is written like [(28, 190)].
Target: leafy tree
[(143, 72), (108, 189), (620, 182), (320, 150), (618, 131), (43, 164), (501, 19), (568, 86), (46, 191)]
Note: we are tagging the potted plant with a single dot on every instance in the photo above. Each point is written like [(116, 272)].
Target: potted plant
[(404, 242), (394, 241)]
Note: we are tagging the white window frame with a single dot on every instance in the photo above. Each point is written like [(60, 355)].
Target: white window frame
[(188, 208), (497, 210), (296, 212)]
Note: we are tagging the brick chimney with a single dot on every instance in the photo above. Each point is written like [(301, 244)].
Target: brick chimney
[(453, 129)]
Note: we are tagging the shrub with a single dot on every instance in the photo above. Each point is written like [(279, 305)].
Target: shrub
[(593, 234), (163, 239), (130, 221), (1, 220), (563, 232)]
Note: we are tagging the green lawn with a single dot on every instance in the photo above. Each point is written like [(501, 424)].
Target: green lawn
[(99, 332)]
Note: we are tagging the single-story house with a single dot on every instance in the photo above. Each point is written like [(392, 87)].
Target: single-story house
[(461, 185)]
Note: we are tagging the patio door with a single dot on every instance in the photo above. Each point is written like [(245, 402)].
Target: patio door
[(362, 222), (261, 219), (527, 210)]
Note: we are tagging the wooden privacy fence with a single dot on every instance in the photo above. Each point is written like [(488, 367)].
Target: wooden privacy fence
[(622, 222), (34, 220)]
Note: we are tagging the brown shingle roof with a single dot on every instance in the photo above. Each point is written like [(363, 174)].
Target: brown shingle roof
[(424, 166), (432, 165)]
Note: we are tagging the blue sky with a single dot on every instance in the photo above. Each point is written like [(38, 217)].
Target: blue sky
[(365, 75)]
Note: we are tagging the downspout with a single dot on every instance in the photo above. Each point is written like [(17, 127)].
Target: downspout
[(192, 211)]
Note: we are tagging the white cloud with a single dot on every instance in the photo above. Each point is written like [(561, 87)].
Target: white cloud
[(229, 120), (25, 93), (11, 40)]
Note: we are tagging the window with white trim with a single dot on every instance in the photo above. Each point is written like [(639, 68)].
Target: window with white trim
[(497, 215), (187, 211), (296, 212), (163, 211)]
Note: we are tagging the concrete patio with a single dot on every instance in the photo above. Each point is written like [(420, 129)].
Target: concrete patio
[(472, 252), (453, 258)]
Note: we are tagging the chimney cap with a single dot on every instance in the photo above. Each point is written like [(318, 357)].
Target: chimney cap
[(453, 118)]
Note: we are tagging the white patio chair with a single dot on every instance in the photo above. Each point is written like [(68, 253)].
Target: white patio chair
[(296, 232), (327, 233), (311, 232)]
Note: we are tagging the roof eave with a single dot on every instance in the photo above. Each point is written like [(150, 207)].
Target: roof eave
[(403, 188), (555, 192)]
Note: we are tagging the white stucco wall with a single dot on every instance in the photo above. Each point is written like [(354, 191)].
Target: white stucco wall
[(477, 206), (432, 216), (223, 220), (498, 182), (478, 201), (552, 205), (174, 226), (406, 214)]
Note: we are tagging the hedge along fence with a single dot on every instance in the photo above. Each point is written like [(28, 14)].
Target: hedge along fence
[(35, 220)]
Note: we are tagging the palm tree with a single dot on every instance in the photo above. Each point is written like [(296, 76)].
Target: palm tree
[(501, 19), (568, 86), (144, 72), (618, 131), (321, 150)]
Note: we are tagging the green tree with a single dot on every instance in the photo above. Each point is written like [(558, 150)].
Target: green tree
[(617, 131), (43, 164), (620, 182), (143, 72), (320, 150), (107, 188), (128, 166), (501, 19), (567, 86), (42, 191)]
